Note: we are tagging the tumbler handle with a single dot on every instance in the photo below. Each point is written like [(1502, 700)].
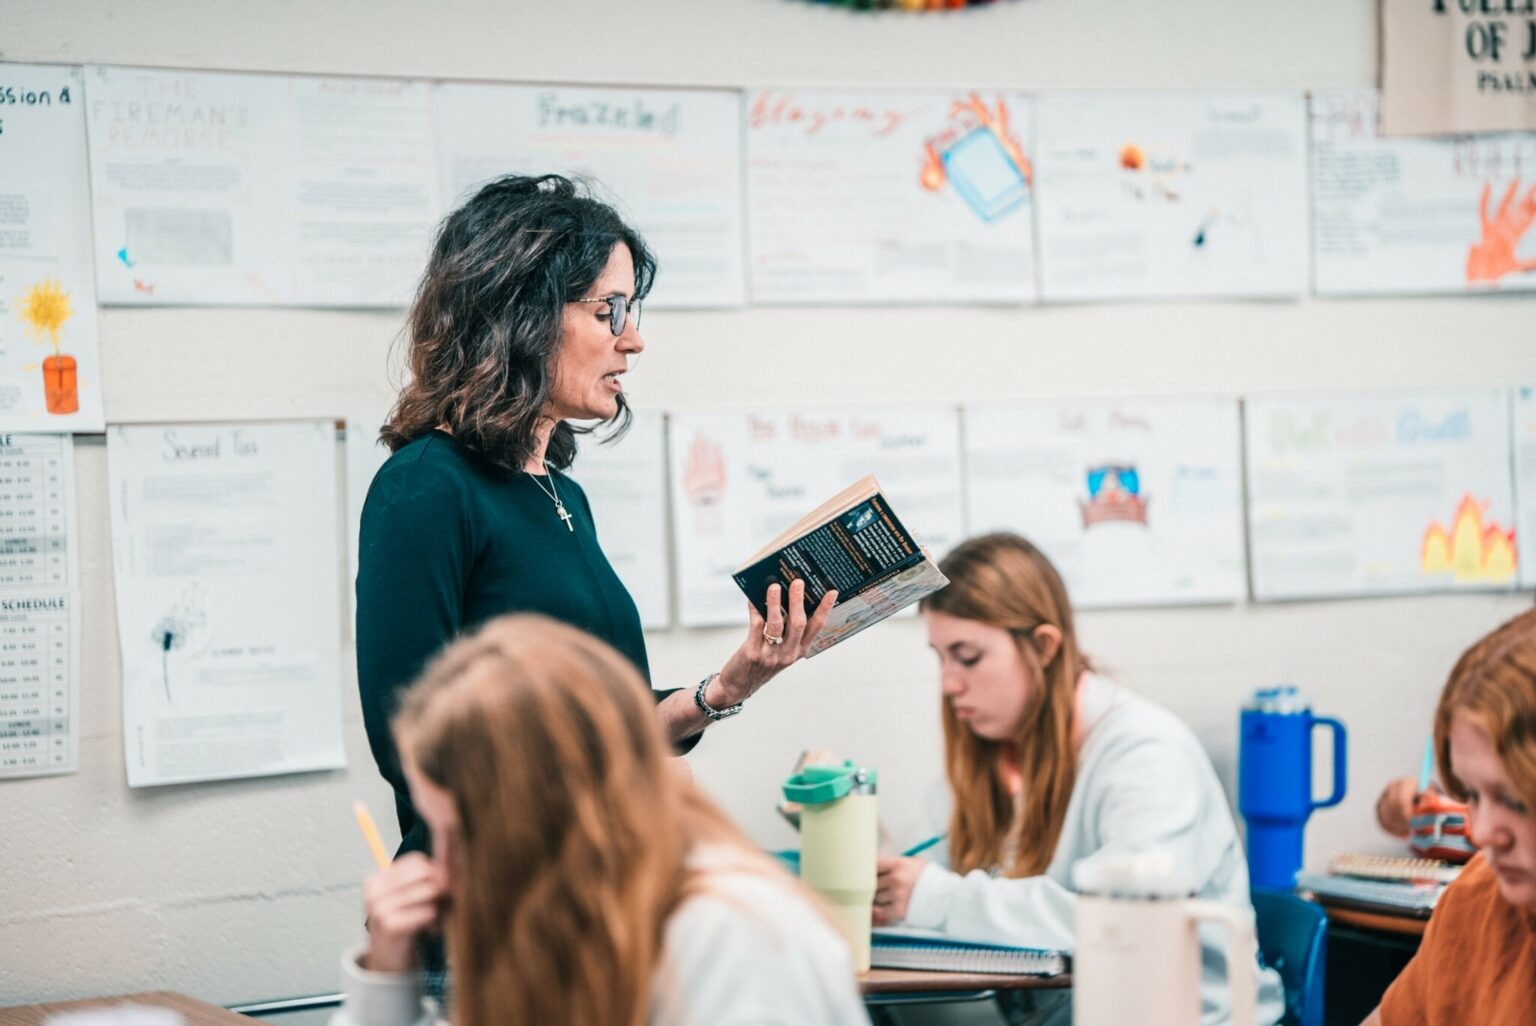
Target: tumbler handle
[(1340, 750)]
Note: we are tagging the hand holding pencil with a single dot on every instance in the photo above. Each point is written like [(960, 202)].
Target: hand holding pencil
[(403, 900)]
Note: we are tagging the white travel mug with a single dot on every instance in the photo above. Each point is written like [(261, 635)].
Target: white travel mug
[(1137, 957)]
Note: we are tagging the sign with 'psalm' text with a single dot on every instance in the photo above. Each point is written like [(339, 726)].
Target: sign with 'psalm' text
[(1451, 66)]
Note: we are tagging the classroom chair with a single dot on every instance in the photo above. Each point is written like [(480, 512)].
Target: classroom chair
[(1293, 940)]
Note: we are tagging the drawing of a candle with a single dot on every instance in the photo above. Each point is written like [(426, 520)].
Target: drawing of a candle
[(46, 308)]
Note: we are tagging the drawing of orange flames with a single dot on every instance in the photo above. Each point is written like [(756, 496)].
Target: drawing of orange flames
[(1471, 551), (973, 109)]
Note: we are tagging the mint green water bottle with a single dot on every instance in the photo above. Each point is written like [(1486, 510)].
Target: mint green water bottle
[(839, 840)]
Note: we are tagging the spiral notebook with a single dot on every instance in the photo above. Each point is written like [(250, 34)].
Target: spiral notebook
[(926, 949), (1413, 897)]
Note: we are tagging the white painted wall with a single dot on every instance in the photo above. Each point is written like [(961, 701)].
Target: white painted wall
[(239, 891)]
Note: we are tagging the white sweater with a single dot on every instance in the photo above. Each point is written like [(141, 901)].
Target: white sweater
[(745, 952), (1143, 781)]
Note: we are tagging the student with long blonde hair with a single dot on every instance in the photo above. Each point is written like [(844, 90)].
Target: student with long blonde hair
[(1475, 964), (1048, 763), (576, 877)]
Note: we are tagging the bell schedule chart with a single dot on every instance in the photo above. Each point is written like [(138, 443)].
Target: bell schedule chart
[(39, 624)]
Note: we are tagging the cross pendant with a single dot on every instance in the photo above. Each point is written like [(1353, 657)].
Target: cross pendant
[(564, 514)]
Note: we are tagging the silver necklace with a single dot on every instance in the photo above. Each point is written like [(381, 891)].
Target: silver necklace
[(554, 496)]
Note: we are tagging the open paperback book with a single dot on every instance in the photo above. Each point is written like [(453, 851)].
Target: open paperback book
[(852, 543), (908, 948)]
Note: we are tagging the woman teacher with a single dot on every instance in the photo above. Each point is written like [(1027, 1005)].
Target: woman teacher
[(525, 320)]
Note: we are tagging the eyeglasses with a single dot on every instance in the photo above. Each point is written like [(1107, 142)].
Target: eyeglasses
[(619, 307)]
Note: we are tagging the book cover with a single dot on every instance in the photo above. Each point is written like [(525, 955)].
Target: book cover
[(854, 544)]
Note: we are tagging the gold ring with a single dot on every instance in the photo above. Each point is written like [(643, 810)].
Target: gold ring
[(772, 639)]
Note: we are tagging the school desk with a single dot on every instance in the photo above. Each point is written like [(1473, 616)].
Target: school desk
[(1367, 948), (195, 1012)]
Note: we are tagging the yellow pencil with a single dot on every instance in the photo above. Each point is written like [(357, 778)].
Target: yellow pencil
[(370, 833)]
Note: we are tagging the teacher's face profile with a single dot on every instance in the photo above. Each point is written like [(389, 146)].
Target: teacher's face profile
[(592, 360)]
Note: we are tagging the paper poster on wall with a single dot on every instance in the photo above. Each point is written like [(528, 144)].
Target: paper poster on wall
[(668, 160), (1383, 494), (365, 455), (1398, 216), (626, 485), (39, 607), (224, 546), (738, 479), (1136, 503), (1458, 67), (895, 197), (215, 188), (1523, 441), (50, 369), (1172, 195)]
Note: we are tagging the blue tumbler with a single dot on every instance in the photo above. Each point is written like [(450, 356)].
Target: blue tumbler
[(1274, 781)]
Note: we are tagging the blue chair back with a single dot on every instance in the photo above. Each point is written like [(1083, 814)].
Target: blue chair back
[(1293, 940)]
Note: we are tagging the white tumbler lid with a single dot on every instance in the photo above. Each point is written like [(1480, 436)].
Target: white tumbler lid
[(1143, 874)]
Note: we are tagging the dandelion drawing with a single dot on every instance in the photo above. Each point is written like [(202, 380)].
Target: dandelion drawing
[(182, 627), (169, 633)]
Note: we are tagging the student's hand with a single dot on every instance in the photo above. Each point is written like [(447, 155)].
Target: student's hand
[(1394, 809), (402, 902), (758, 660), (896, 875)]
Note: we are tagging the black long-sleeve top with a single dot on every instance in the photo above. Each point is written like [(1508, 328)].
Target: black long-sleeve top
[(449, 541)]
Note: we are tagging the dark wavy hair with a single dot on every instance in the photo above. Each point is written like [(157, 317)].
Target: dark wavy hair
[(485, 326)]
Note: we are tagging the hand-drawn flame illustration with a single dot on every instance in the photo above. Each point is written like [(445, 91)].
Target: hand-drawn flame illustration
[(1470, 550), (974, 130)]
